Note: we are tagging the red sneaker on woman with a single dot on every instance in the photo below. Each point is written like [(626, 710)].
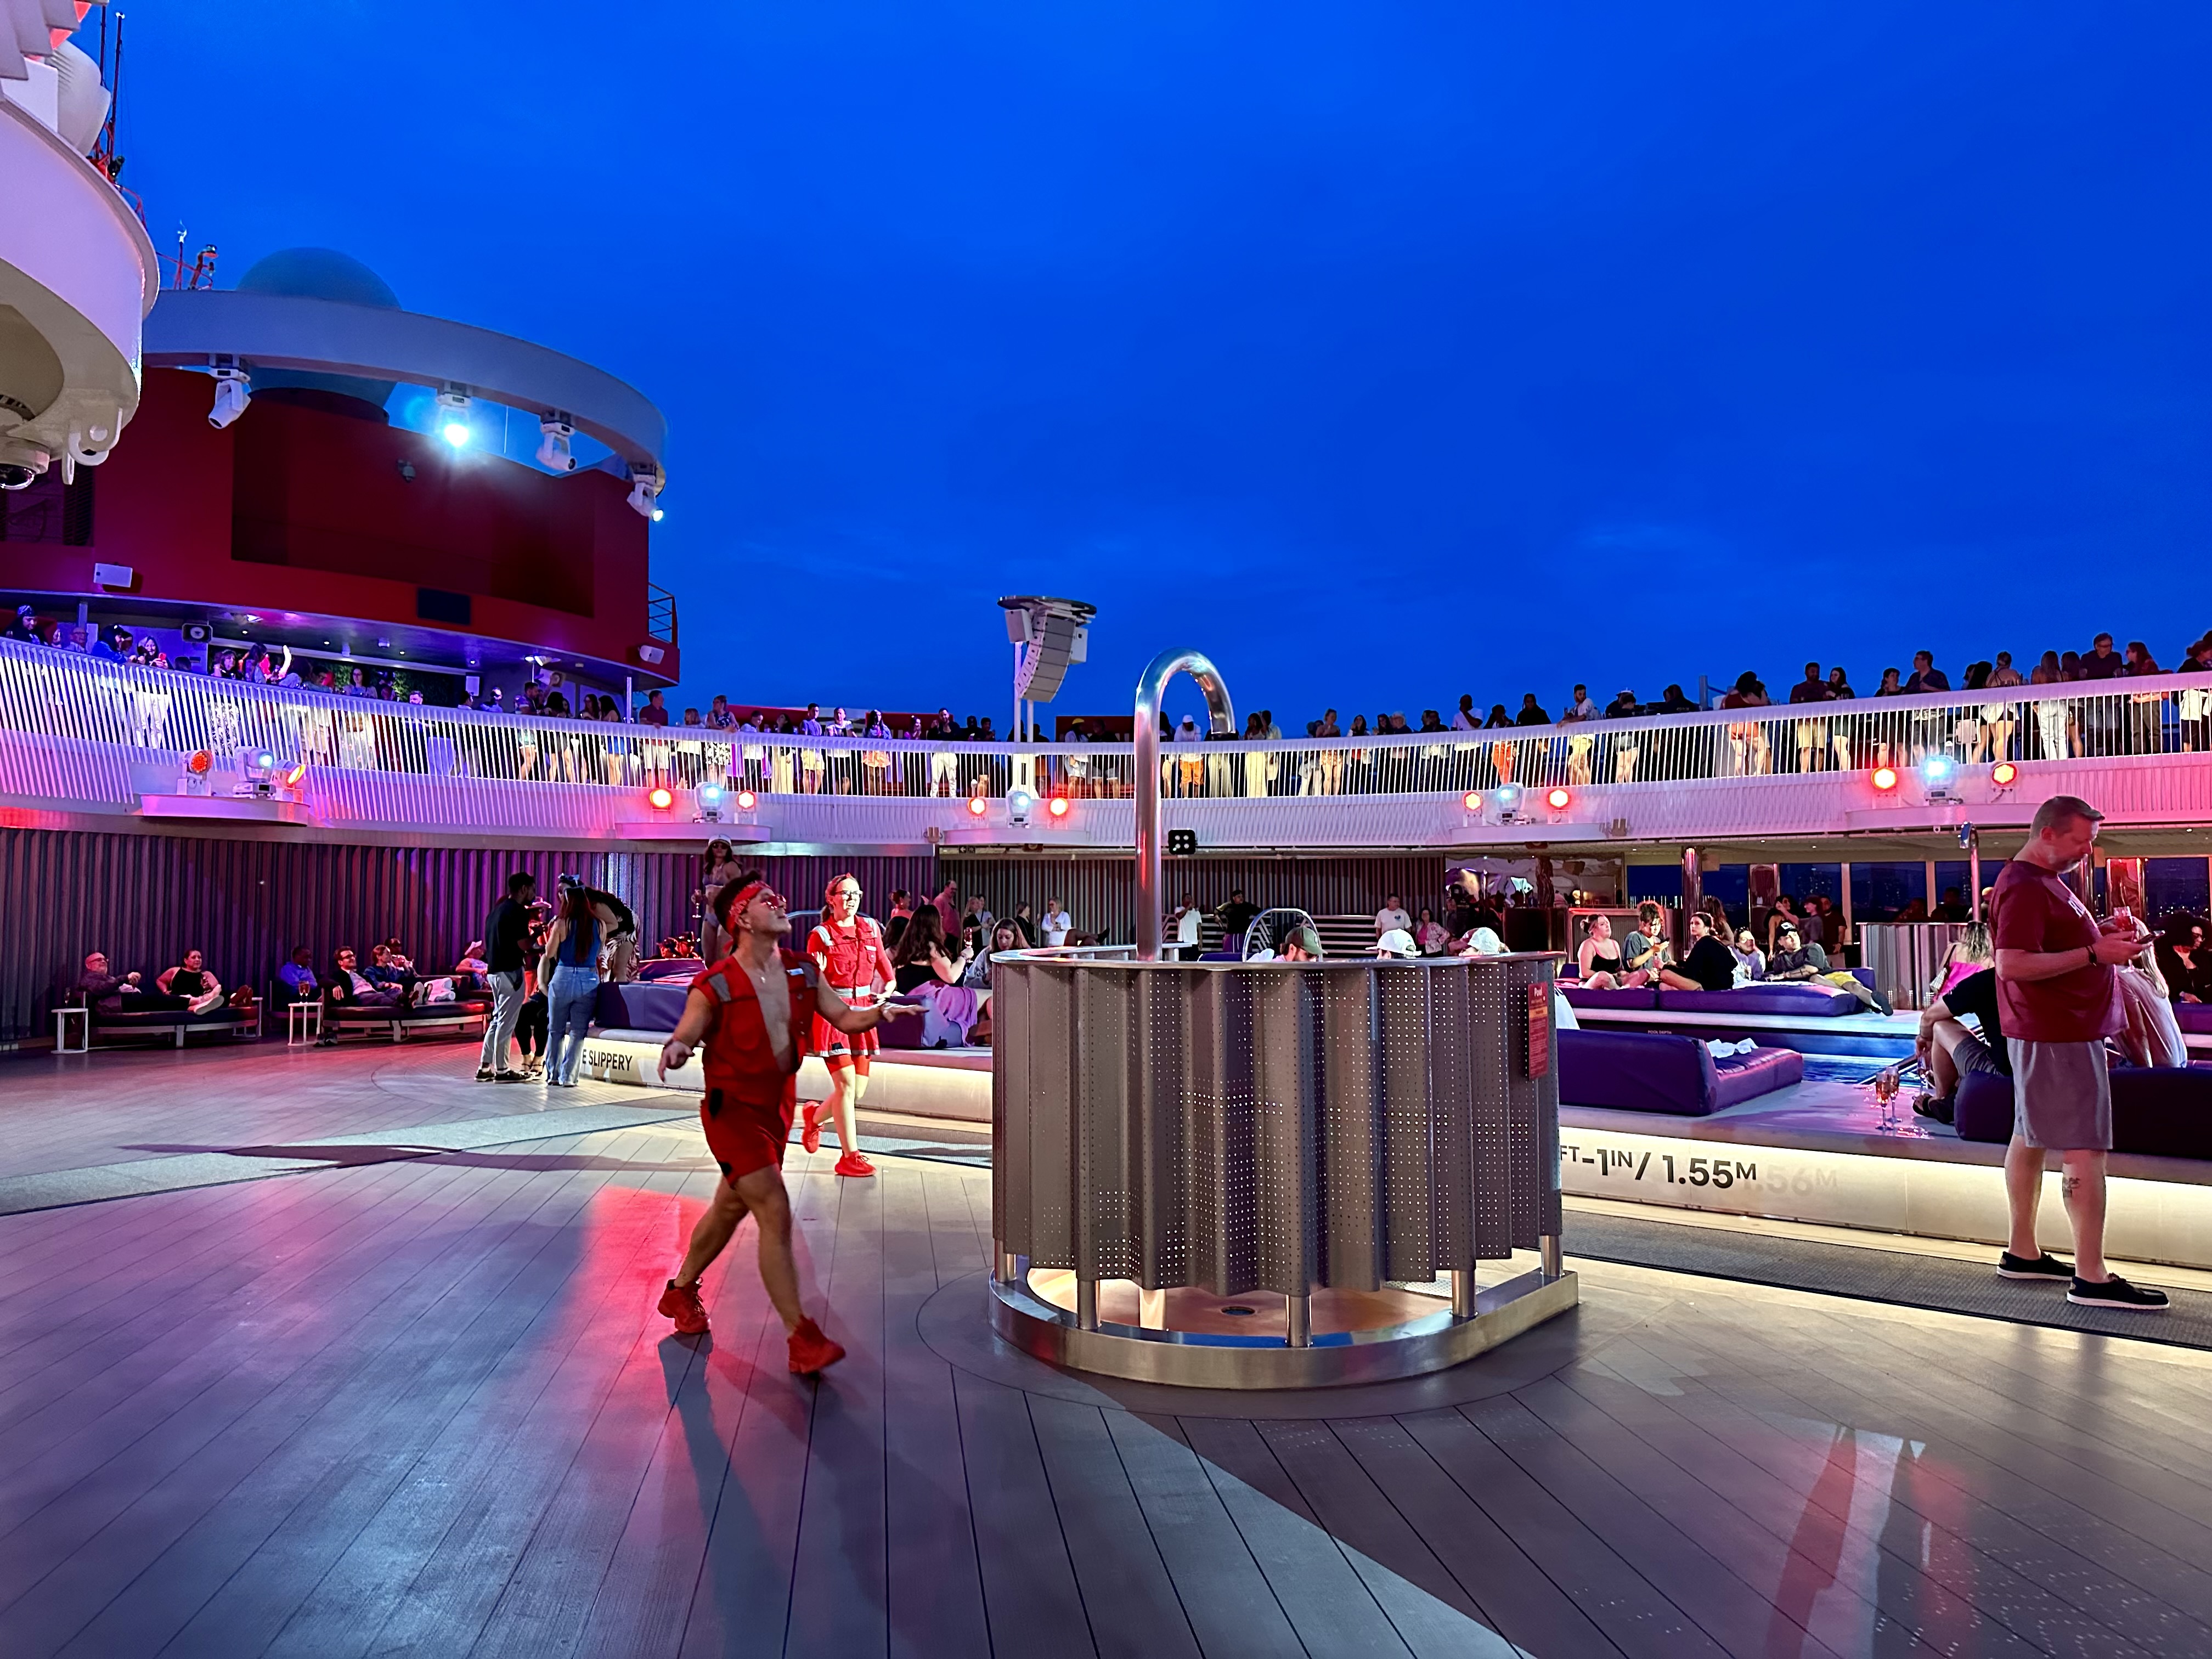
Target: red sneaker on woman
[(809, 1127), (811, 1350), (855, 1163), (681, 1304)]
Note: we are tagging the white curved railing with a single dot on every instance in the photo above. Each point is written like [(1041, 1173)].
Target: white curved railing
[(95, 732)]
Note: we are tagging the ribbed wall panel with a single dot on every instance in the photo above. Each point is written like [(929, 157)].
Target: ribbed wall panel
[(1104, 890), (146, 899), (1339, 1125)]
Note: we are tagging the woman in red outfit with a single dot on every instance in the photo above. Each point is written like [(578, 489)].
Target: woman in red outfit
[(848, 953), (752, 1010)]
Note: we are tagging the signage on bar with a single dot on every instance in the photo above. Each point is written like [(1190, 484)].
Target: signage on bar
[(1540, 1028)]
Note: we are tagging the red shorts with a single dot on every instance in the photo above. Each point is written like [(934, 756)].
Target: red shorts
[(828, 1040), (744, 1138)]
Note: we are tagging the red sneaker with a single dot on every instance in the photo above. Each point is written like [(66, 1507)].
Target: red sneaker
[(855, 1163), (681, 1304), (811, 1350), (809, 1128)]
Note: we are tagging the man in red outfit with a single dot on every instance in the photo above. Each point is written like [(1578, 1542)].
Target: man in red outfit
[(751, 1009)]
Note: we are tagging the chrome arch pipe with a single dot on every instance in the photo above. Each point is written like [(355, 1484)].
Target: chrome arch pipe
[(1151, 685)]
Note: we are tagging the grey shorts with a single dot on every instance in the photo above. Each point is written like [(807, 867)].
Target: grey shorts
[(2062, 1095), (1971, 1053)]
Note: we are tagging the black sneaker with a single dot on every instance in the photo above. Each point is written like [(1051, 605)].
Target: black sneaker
[(2117, 1292), (508, 1076), (2046, 1266), (484, 1074)]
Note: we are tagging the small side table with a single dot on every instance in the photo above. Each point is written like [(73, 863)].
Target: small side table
[(61, 1017), (303, 1022)]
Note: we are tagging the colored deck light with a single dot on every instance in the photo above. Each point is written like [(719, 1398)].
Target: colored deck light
[(1558, 800), (661, 798), (1473, 800), (746, 800), (2004, 774), (977, 806), (292, 778), (1058, 806), (1885, 779)]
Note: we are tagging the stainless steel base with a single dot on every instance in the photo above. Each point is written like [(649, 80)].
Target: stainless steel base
[(1432, 1343)]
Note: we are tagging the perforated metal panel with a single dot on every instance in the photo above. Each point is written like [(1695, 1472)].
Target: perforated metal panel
[(1270, 1127)]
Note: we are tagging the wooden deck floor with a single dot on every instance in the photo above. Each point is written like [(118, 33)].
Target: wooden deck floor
[(425, 1406)]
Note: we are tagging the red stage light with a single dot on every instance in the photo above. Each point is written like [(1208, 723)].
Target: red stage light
[(2004, 774), (747, 800), (1058, 806), (1558, 800), (292, 778), (1473, 800), (1885, 779), (661, 799), (977, 806)]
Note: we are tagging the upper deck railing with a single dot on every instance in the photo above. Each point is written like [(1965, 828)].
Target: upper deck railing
[(103, 729)]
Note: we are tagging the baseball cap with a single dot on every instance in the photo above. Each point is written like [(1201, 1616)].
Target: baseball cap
[(1396, 943)]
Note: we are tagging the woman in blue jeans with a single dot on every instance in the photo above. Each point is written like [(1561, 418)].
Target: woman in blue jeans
[(570, 972)]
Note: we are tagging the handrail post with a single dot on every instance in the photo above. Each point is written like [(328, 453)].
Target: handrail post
[(1151, 685)]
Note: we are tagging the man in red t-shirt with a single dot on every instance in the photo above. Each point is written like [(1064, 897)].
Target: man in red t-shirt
[(751, 1008), (2058, 1000)]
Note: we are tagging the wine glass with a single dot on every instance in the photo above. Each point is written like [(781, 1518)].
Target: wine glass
[(1885, 1090)]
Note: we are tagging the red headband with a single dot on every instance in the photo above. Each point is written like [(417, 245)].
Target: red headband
[(746, 895)]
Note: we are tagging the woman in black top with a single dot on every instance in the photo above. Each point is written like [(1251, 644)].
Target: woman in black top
[(1709, 965), (2181, 960), (932, 978), (1599, 959), (921, 956), (189, 980)]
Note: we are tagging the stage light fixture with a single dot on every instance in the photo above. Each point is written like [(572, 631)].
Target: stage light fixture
[(1058, 806), (710, 803), (553, 452), (661, 798), (1937, 773), (453, 418), (645, 490), (1020, 803), (977, 806), (1558, 800), (234, 390), (1509, 802), (292, 779), (2004, 774), (747, 800), (1885, 779)]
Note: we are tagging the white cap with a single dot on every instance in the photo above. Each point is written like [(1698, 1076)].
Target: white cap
[(1396, 943)]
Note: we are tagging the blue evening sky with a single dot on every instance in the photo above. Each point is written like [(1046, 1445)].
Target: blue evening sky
[(1385, 352)]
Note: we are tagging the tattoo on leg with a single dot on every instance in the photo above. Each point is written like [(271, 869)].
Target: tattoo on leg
[(2069, 1183)]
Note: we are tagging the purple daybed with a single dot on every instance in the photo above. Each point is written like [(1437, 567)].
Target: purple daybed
[(1798, 1001), (1641, 997), (1801, 1001), (642, 1005), (2164, 1111), (2195, 1018), (1658, 1072)]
